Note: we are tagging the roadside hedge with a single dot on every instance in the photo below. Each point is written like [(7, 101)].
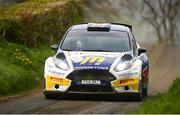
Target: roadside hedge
[(39, 21), (167, 103)]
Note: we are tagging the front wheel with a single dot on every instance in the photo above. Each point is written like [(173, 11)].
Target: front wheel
[(51, 96), (139, 96)]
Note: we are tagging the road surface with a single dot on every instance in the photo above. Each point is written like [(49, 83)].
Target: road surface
[(164, 68)]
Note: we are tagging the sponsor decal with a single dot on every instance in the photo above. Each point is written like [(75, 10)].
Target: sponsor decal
[(55, 72), (99, 25), (135, 68), (127, 81), (133, 83), (52, 80), (129, 74), (91, 67), (93, 60)]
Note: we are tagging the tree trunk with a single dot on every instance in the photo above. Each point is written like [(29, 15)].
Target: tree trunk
[(158, 32), (172, 34)]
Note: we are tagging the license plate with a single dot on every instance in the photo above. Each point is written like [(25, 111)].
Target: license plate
[(96, 82)]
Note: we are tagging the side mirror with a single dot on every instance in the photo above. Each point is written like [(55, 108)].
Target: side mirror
[(54, 47), (141, 50)]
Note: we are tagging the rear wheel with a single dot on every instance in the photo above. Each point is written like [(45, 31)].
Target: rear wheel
[(145, 92)]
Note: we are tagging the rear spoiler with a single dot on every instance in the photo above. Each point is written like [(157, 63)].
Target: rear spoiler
[(99, 27), (129, 26)]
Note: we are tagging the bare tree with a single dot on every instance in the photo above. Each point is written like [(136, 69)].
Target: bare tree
[(162, 15)]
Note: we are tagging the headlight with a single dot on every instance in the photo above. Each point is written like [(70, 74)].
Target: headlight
[(122, 66), (60, 62)]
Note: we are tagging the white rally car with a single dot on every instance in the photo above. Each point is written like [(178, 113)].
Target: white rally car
[(97, 58)]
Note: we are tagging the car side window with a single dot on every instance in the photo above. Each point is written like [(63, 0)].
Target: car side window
[(133, 44), (134, 47)]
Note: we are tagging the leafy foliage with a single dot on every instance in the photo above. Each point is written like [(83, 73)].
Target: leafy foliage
[(36, 21), (32, 23), (23, 72), (166, 103)]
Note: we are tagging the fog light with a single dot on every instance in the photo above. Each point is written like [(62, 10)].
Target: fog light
[(126, 87), (56, 86)]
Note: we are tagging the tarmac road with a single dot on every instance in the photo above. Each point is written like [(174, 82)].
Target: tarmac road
[(163, 70)]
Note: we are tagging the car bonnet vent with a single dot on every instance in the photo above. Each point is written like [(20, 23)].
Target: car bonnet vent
[(99, 27), (61, 56), (126, 57)]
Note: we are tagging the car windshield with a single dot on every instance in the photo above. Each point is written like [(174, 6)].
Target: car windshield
[(81, 40)]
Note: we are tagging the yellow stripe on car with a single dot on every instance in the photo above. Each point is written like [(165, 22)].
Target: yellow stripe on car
[(92, 60), (101, 59), (85, 60)]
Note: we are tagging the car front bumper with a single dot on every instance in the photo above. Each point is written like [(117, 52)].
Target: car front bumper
[(63, 85)]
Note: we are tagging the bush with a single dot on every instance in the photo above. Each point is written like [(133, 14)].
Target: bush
[(39, 21), (165, 103), (21, 68)]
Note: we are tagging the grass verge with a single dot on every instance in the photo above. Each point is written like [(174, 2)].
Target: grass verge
[(21, 68), (165, 103), (31, 23)]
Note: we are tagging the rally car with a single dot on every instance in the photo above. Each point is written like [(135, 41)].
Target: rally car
[(97, 58)]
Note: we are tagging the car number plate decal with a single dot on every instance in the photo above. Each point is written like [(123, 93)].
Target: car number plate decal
[(97, 82)]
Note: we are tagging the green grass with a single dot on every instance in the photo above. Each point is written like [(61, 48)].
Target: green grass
[(34, 24), (21, 68), (165, 103)]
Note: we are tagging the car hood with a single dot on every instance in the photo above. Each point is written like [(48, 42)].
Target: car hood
[(93, 60)]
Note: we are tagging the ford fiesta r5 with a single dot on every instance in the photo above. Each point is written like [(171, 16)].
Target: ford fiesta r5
[(97, 58)]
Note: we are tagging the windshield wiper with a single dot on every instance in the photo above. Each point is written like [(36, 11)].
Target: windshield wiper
[(67, 49), (98, 50), (87, 50)]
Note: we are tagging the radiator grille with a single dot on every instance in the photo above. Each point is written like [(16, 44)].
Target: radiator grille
[(91, 75)]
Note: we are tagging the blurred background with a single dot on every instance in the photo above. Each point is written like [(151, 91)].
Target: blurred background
[(144, 15)]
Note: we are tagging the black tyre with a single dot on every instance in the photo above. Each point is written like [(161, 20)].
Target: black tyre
[(139, 96), (51, 96), (145, 92)]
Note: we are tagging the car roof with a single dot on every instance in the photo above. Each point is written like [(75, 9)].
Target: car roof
[(114, 26)]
